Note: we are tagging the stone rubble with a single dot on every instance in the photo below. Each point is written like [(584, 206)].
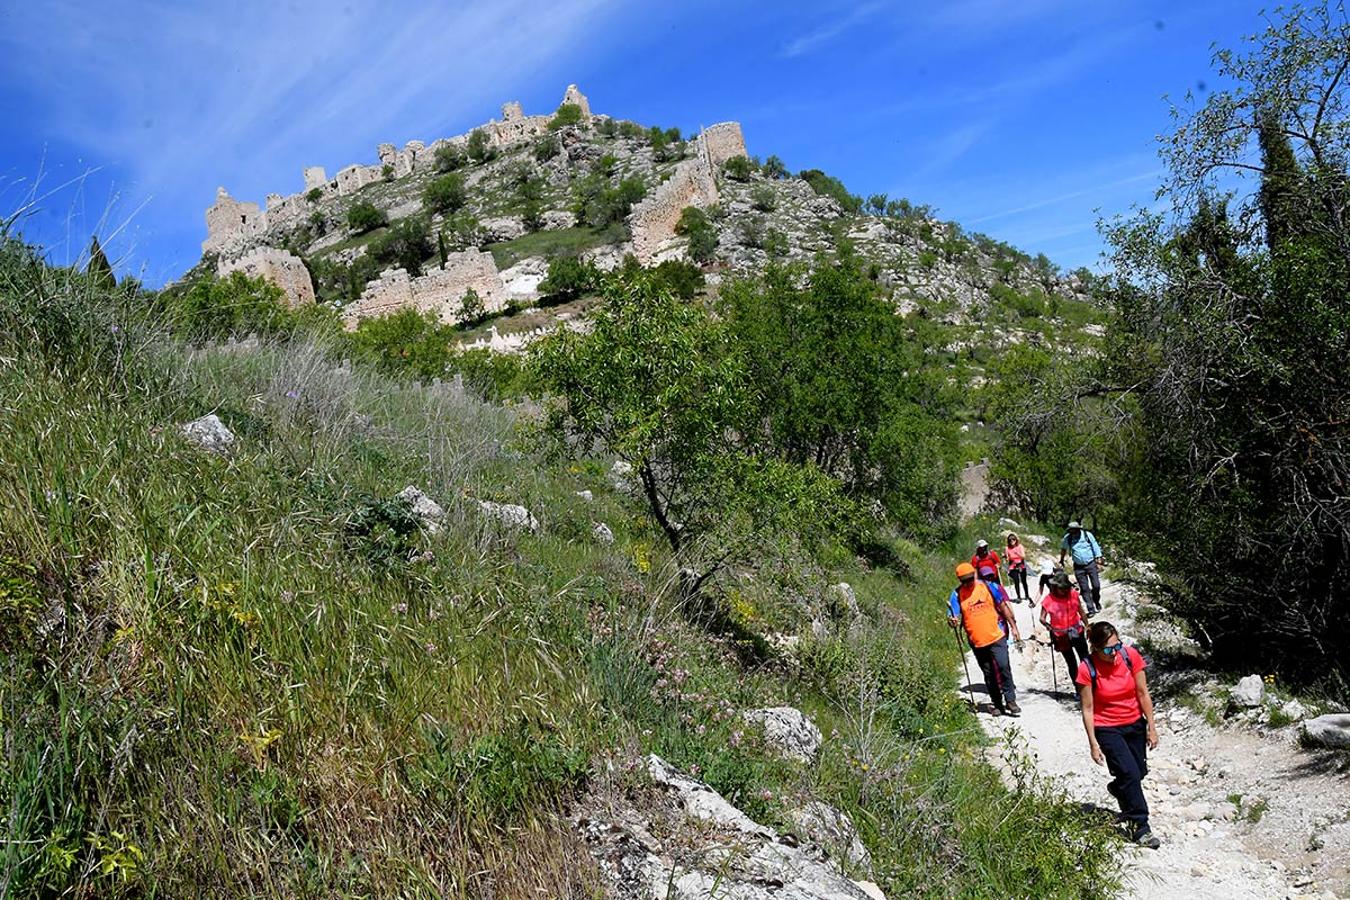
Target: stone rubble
[(210, 434)]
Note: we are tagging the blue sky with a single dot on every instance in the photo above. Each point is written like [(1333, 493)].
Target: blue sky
[(1018, 118)]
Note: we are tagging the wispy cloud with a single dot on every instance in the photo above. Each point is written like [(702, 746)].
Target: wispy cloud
[(181, 97), (828, 31), (1094, 190)]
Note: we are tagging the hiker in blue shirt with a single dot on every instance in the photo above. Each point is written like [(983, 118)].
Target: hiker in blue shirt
[(1087, 561)]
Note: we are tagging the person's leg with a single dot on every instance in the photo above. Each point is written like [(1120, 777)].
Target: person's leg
[(1070, 661), (1122, 763), (1084, 579), (984, 656), (1003, 671), (1080, 644), (1096, 582)]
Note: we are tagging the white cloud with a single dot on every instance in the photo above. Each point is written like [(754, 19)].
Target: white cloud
[(823, 34)]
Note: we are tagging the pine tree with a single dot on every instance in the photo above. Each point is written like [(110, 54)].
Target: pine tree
[(99, 269)]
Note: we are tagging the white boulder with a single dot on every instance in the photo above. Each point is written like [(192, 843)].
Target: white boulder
[(1328, 731), (788, 731), (834, 831), (602, 533), (209, 433), (509, 514), (428, 512), (1248, 693)]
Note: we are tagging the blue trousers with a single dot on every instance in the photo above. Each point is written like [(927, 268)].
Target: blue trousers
[(1126, 750), (1089, 585)]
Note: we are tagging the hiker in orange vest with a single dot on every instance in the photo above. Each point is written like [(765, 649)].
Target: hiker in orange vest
[(984, 611)]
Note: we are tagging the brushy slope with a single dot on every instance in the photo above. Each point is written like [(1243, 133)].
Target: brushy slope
[(255, 675)]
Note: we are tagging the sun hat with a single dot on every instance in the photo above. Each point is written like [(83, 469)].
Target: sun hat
[(981, 543), (1074, 524)]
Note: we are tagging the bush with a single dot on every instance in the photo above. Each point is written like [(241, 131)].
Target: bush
[(567, 114), (363, 216), (222, 308), (405, 344), (763, 198), (829, 186), (773, 168), (448, 158), (739, 168), (568, 278), (682, 279), (546, 148), (478, 147), (752, 231), (314, 195), (776, 243), (445, 194), (599, 204), (408, 243), (471, 309), (387, 172), (702, 236)]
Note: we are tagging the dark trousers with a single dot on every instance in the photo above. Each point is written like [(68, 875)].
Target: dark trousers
[(1126, 750), (1089, 585), (997, 669), (1079, 644), (1019, 580)]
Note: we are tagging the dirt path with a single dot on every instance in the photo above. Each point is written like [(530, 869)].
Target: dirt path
[(1299, 843)]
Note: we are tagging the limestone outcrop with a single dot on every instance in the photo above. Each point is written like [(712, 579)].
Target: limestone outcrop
[(283, 269)]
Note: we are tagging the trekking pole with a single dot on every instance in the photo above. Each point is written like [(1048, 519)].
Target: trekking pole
[(965, 667), (1054, 670)]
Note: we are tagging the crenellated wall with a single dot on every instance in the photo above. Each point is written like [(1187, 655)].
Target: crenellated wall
[(438, 291)]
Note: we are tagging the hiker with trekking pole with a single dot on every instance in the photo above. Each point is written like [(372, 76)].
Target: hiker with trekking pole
[(1065, 617), (1087, 562), (1118, 717), (983, 610), (1016, 555)]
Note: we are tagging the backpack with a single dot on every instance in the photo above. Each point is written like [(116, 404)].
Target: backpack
[(1125, 651)]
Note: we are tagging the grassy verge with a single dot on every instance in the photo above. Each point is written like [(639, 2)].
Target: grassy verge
[(559, 242), (253, 674)]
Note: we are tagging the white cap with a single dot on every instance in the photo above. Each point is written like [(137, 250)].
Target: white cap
[(981, 543)]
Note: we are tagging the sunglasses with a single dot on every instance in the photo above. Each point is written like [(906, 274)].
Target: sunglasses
[(1113, 649)]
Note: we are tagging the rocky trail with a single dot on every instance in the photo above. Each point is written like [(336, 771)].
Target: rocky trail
[(1241, 814)]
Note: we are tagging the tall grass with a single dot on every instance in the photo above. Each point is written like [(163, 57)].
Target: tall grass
[(213, 684)]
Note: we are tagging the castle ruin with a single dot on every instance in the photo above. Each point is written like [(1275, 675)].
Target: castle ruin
[(283, 269), (439, 291)]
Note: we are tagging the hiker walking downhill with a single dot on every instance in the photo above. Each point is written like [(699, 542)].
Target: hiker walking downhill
[(984, 557), (1016, 555), (1065, 617), (982, 608), (1082, 545), (1118, 717)]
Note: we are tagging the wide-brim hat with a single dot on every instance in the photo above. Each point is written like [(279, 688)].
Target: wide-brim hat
[(1074, 524), (1061, 581)]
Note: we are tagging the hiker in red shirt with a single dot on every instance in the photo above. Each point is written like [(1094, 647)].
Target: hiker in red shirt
[(1017, 569), (984, 557), (1118, 718), (1065, 617)]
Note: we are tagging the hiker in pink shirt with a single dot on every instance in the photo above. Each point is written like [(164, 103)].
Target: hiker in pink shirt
[(1016, 556)]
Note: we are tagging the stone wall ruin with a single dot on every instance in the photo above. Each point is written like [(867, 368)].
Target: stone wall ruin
[(438, 291), (283, 269)]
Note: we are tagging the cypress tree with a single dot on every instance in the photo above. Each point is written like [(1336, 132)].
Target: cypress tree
[(99, 269), (1283, 198)]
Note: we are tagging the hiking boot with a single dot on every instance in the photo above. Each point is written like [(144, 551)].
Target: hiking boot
[(996, 711), (1013, 709), (1146, 838)]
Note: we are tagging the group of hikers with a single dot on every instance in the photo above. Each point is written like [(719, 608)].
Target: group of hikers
[(1112, 688)]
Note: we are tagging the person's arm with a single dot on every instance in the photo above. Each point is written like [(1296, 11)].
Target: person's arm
[(1005, 610), (1096, 549), (953, 610), (1085, 703), (1146, 704), (1045, 618), (1063, 549)]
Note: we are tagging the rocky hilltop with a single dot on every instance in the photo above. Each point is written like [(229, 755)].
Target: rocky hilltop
[(492, 208)]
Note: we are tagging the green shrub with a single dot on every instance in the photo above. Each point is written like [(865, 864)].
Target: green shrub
[(694, 225), (773, 168), (221, 308), (314, 195), (471, 309), (776, 243), (682, 279), (568, 278), (448, 158), (567, 114), (739, 168), (363, 216), (752, 231), (763, 198), (598, 204), (387, 172), (407, 243), (546, 148), (445, 194), (405, 344), (829, 186), (478, 147)]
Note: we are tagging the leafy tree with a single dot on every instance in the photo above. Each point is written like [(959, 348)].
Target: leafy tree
[(471, 308), (829, 186), (567, 114), (445, 194), (448, 158), (314, 195), (462, 231), (221, 308), (773, 168), (752, 231), (694, 225), (876, 204), (408, 244), (363, 216), (682, 279), (387, 172), (100, 271), (568, 278), (318, 222), (478, 147), (739, 168), (406, 344), (655, 383), (530, 198), (599, 204), (841, 383)]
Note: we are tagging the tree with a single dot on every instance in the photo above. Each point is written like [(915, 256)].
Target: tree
[(763, 198), (99, 270), (599, 204), (1227, 343), (654, 383), (738, 168), (363, 216), (471, 308), (568, 114), (445, 194), (829, 186), (773, 168), (478, 147), (407, 344), (448, 158), (408, 244), (694, 225), (568, 278), (314, 195), (546, 148)]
